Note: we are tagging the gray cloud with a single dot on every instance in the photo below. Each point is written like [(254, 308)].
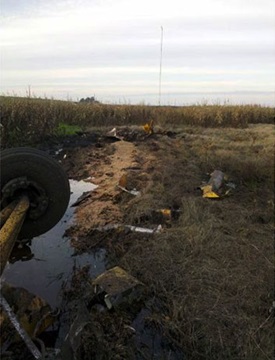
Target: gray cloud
[(40, 40)]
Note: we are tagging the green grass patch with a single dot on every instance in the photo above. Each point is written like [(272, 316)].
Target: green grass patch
[(66, 129)]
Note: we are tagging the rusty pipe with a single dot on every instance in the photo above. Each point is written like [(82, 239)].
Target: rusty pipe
[(6, 212), (11, 229)]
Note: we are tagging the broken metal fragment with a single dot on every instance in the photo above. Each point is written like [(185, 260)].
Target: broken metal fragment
[(113, 135), (23, 315), (119, 287), (121, 227), (122, 185), (216, 186), (132, 192)]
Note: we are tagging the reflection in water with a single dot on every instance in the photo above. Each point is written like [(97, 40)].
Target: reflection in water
[(42, 265), (21, 252)]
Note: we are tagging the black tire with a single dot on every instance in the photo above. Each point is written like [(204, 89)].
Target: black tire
[(40, 168)]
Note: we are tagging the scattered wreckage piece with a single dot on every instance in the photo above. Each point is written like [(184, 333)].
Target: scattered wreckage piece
[(20, 330), (112, 135), (121, 227), (122, 185), (149, 127), (165, 216), (132, 192), (27, 313), (216, 187), (118, 287), (72, 342)]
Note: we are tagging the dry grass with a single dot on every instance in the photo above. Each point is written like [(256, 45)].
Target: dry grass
[(213, 269)]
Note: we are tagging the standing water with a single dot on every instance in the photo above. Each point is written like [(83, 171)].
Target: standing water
[(48, 261)]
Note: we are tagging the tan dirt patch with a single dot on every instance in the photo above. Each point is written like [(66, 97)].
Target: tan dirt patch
[(101, 208)]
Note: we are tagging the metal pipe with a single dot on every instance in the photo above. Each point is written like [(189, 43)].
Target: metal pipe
[(6, 212), (20, 330), (11, 229), (12, 218)]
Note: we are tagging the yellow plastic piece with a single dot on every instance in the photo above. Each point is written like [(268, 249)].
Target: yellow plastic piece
[(166, 212), (208, 193), (148, 128)]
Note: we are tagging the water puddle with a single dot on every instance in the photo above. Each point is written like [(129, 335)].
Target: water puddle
[(44, 264)]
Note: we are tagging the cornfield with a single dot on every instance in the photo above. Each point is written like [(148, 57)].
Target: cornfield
[(29, 120)]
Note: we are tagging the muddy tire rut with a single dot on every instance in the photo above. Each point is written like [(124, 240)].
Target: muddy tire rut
[(107, 167)]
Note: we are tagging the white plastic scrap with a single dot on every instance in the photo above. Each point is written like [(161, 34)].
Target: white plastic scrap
[(158, 229), (132, 192)]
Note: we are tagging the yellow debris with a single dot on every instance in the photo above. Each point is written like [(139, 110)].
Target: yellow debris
[(123, 181), (208, 192), (166, 212), (149, 128)]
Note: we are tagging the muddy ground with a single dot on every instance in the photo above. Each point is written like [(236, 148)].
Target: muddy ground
[(114, 164), (207, 269), (208, 273)]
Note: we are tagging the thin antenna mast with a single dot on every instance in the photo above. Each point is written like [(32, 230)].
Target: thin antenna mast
[(160, 64)]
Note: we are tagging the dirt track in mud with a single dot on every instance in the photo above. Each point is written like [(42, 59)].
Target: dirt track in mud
[(111, 163), (101, 208), (114, 164), (127, 161)]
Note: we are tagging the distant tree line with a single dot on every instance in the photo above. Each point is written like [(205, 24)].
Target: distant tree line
[(90, 100)]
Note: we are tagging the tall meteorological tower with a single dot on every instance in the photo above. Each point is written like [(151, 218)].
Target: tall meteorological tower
[(160, 63)]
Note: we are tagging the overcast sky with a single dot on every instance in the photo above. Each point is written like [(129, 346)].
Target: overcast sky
[(213, 50)]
